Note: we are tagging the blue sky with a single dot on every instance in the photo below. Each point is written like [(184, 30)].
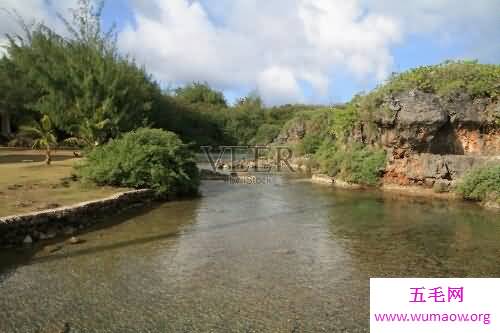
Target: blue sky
[(311, 51)]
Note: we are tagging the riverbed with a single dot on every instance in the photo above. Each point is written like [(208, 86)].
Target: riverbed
[(288, 256)]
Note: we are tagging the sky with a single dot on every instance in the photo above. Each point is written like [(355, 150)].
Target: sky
[(288, 51)]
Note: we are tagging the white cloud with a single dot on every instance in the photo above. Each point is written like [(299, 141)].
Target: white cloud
[(270, 46), (32, 11), (472, 24), (280, 46), (276, 85), (27, 9)]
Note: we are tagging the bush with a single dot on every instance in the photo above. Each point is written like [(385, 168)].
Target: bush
[(326, 157), (481, 183), (145, 158), (353, 163), (478, 80), (311, 143), (266, 134), (343, 120)]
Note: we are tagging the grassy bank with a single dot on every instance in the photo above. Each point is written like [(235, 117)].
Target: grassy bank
[(31, 186)]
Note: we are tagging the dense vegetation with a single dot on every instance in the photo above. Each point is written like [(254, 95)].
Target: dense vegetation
[(315, 124), (90, 94), (144, 158), (82, 83), (353, 163), (449, 78), (481, 184)]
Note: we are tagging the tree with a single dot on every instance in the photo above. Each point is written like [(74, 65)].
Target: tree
[(15, 94), (202, 93), (82, 79), (88, 133), (43, 135)]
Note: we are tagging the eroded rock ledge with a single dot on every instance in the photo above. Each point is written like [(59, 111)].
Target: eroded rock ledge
[(434, 140), (56, 222), (427, 169)]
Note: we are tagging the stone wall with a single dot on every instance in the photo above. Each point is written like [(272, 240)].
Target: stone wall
[(26, 228)]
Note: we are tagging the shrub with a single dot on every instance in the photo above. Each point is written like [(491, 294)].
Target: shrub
[(343, 120), (481, 183), (326, 157), (145, 158), (314, 124), (311, 143), (478, 80), (353, 163), (266, 134)]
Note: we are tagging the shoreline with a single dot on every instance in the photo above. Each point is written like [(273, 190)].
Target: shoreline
[(29, 228), (406, 190)]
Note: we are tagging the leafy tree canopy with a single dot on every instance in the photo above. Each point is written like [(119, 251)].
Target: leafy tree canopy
[(82, 78), (201, 93)]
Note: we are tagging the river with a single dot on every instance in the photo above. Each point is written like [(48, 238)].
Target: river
[(288, 256)]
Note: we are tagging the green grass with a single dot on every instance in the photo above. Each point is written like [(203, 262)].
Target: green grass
[(27, 187)]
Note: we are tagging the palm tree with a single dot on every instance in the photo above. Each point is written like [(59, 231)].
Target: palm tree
[(88, 133), (43, 135)]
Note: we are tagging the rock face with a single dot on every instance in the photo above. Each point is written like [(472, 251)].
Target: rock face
[(427, 169), (432, 139), (419, 122), (293, 134)]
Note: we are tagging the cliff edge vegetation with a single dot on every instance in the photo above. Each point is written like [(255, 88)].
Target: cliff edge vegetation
[(429, 126)]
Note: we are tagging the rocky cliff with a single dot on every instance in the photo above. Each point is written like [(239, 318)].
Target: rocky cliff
[(431, 138), (428, 126)]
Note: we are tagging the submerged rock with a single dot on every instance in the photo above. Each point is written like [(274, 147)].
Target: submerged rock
[(28, 240), (75, 240), (51, 234), (69, 231)]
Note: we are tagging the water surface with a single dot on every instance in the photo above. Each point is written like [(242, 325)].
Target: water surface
[(284, 257)]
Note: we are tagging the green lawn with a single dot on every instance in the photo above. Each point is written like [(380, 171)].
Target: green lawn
[(32, 186)]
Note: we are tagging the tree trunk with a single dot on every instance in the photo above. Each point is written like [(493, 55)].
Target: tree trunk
[(5, 120), (48, 156)]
